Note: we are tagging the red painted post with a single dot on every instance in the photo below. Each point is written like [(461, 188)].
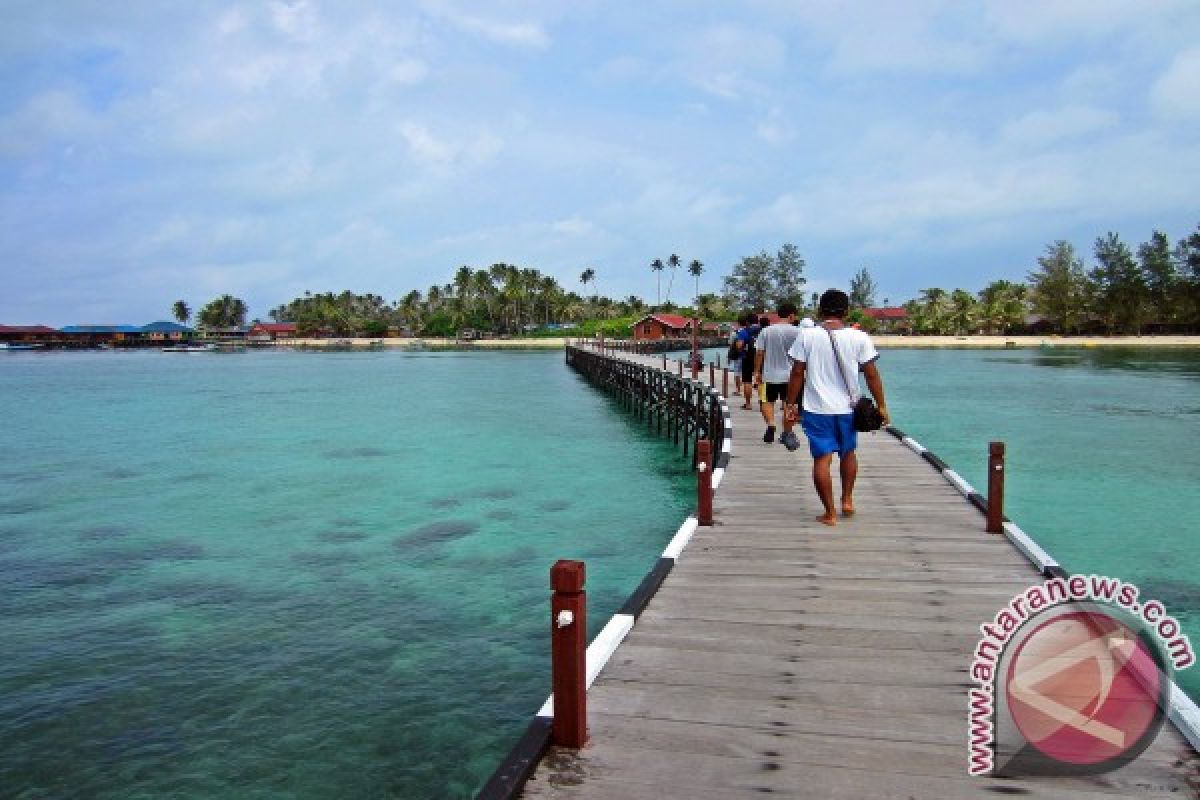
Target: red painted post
[(704, 460), (664, 362), (995, 497), (725, 383), (712, 374), (568, 653), (681, 367)]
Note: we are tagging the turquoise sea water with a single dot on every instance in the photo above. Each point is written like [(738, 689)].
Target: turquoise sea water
[(326, 575), (299, 575), (1103, 453)]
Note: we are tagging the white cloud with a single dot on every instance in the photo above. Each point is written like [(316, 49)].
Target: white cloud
[(774, 129), (514, 34), (258, 73), (297, 20), (730, 62), (1044, 127), (1050, 21), (408, 72), (52, 116), (575, 226), (435, 150), (231, 22), (1176, 93)]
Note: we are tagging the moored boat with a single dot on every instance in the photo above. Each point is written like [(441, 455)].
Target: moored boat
[(190, 348)]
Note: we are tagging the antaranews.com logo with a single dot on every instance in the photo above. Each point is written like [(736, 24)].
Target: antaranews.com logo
[(1074, 677)]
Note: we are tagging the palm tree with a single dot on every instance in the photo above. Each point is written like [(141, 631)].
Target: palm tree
[(226, 311), (963, 311), (463, 285), (657, 266), (673, 262), (696, 268), (182, 312), (588, 276), (935, 303), (548, 287), (412, 309)]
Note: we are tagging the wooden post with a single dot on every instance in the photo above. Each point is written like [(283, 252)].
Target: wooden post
[(995, 497), (681, 367), (664, 362), (568, 653), (712, 374), (725, 383), (704, 461)]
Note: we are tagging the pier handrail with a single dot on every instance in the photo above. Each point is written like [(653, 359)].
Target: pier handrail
[(691, 411)]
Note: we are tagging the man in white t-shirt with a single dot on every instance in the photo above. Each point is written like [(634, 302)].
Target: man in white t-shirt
[(826, 360), (773, 369)]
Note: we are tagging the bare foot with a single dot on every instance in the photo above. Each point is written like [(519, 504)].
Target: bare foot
[(847, 508), (828, 519)]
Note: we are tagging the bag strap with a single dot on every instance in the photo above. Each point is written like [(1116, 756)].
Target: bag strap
[(841, 368)]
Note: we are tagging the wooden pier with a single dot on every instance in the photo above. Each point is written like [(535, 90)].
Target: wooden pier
[(783, 657)]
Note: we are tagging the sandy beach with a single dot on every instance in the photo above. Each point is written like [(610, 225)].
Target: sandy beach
[(881, 340)]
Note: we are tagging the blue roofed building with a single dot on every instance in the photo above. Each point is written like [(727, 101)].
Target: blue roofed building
[(101, 334), (166, 331)]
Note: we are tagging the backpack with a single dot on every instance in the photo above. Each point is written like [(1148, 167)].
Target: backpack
[(734, 354)]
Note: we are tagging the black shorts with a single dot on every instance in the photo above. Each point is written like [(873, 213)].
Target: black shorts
[(748, 367), (776, 392)]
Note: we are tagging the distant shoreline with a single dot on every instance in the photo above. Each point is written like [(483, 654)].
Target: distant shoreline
[(890, 341)]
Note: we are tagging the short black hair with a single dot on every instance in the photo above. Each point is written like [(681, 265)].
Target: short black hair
[(786, 309), (834, 303), (764, 322)]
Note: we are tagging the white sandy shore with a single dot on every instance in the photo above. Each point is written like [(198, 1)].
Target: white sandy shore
[(880, 340)]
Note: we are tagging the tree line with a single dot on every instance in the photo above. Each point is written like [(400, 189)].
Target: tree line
[(1123, 291)]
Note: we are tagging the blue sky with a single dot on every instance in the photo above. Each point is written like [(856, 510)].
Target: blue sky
[(155, 151)]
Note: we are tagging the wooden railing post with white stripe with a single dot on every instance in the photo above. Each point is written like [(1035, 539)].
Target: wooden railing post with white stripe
[(995, 496), (704, 490), (568, 653)]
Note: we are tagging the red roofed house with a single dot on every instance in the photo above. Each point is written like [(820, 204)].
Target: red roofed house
[(26, 333), (662, 326), (273, 330), (891, 319)]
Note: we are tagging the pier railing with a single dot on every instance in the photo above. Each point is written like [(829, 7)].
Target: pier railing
[(683, 410), (691, 413)]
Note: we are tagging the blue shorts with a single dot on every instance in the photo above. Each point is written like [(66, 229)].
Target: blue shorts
[(829, 433)]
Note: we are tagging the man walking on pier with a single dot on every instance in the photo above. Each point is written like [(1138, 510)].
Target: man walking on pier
[(826, 360), (773, 368)]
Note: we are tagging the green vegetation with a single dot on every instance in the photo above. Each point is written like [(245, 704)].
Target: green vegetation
[(763, 281), (1123, 293), (226, 311), (1155, 287)]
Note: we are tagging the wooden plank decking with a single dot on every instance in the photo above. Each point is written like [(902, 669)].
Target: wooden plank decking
[(785, 658)]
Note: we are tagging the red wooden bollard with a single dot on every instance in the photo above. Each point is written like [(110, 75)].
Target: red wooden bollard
[(568, 653), (712, 374), (704, 492), (664, 362), (681, 367), (995, 496), (725, 382)]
